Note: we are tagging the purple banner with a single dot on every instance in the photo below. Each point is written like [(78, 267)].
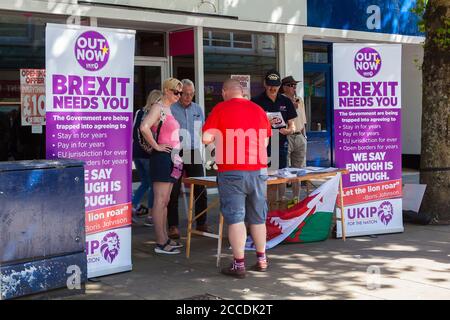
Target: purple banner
[(367, 123), (89, 113), (97, 139), (368, 144)]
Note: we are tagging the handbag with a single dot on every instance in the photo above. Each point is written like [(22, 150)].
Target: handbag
[(144, 144), (177, 169)]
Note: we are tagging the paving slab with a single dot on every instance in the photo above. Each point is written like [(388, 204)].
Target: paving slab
[(412, 265)]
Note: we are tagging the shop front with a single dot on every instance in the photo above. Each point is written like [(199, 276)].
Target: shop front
[(333, 22), (208, 47), (208, 43)]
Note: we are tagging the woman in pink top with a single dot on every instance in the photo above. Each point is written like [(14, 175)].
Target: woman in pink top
[(165, 163)]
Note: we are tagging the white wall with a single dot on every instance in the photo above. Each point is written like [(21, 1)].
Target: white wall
[(291, 12), (291, 58), (208, 6), (277, 11), (412, 57)]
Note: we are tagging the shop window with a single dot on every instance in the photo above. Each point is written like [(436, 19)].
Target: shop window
[(228, 39), (150, 44), (22, 46), (315, 53), (315, 101), (14, 27), (247, 54)]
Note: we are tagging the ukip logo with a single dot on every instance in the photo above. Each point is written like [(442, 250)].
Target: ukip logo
[(92, 50), (385, 212), (367, 62), (110, 246)]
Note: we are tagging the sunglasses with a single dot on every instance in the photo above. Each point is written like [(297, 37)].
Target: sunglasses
[(292, 85), (176, 92)]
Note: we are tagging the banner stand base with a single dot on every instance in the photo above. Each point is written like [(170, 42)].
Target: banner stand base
[(108, 272), (365, 234)]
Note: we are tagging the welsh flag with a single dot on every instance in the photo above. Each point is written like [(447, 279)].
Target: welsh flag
[(307, 221)]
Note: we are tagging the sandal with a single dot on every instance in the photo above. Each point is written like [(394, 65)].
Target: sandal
[(174, 244), (142, 210), (166, 249)]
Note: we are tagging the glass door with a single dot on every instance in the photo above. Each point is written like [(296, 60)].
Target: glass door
[(148, 75), (317, 93)]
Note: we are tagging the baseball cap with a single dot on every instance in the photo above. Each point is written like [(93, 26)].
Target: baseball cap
[(273, 78), (289, 80)]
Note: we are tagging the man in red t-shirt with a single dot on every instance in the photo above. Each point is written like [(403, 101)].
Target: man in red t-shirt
[(240, 131)]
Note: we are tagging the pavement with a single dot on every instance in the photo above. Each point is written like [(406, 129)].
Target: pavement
[(414, 264)]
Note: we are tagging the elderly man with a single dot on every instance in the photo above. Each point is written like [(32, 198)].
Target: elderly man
[(297, 141), (240, 130), (271, 100), (190, 117)]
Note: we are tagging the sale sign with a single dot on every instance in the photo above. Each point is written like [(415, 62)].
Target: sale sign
[(90, 118), (367, 123), (32, 96)]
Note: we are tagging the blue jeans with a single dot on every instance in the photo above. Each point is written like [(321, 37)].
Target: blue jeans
[(143, 169)]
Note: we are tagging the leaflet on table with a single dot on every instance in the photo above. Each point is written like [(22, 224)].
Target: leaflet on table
[(319, 169), (276, 119), (209, 179), (285, 173)]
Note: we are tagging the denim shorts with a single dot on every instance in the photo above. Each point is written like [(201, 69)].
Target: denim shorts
[(243, 196), (161, 166)]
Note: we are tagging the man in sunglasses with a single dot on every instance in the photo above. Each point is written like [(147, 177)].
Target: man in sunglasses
[(297, 141), (191, 119), (271, 100)]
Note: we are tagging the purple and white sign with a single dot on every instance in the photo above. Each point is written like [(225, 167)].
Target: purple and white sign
[(89, 113), (367, 62), (91, 50), (109, 248), (367, 122)]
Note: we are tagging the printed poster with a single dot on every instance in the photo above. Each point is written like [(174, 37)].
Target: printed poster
[(245, 83), (32, 97), (89, 104), (367, 123)]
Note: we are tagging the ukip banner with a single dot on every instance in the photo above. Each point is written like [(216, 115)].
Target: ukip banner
[(367, 124), (307, 221), (89, 114)]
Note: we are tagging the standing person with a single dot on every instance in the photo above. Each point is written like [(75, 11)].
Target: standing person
[(141, 161), (240, 130), (164, 171), (190, 117), (297, 141), (271, 100)]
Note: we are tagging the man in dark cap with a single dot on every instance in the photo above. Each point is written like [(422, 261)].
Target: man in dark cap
[(271, 100)]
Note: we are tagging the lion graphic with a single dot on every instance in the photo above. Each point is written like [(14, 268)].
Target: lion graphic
[(385, 212), (110, 246)]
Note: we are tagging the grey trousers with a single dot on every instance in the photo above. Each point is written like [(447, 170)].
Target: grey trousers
[(297, 151)]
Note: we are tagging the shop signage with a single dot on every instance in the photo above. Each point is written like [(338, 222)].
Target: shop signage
[(367, 123), (383, 16), (245, 83), (32, 97), (89, 104)]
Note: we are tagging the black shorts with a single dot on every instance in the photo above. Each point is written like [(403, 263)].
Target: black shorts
[(161, 166)]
